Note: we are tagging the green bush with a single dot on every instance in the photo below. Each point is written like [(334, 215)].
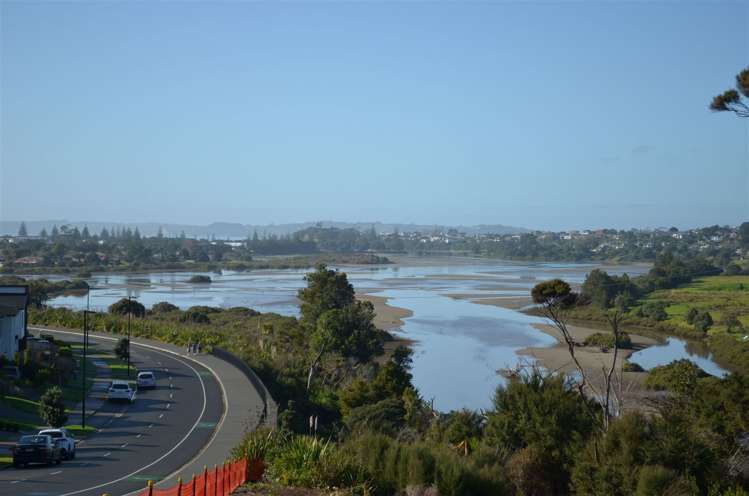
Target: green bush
[(52, 407), (632, 367), (199, 279), (164, 307), (122, 349), (679, 376), (607, 340)]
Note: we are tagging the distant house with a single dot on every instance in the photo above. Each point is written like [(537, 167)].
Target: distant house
[(14, 301), (28, 261)]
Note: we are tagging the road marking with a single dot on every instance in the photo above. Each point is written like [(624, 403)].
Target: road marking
[(171, 395), (139, 435), (187, 435), (161, 415), (17, 481), (150, 425), (107, 453), (122, 446), (55, 473), (168, 405)]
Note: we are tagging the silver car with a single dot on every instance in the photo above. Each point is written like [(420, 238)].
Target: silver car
[(146, 380)]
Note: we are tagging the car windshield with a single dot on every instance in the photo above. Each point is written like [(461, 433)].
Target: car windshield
[(146, 375), (33, 440), (54, 434), (120, 386)]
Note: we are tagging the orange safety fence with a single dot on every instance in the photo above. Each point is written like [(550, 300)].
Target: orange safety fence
[(221, 481)]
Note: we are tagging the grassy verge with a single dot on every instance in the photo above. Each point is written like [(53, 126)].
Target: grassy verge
[(13, 425), (6, 461), (79, 431)]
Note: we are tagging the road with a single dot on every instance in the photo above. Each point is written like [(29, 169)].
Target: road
[(152, 438)]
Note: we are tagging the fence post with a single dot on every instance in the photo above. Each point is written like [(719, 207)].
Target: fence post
[(150, 487), (215, 480), (179, 486), (193, 484), (205, 480)]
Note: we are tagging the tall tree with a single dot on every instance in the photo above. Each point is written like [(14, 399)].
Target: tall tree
[(734, 100), (327, 289), (22, 230), (43, 234)]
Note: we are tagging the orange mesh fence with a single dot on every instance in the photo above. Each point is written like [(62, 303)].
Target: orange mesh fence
[(221, 481)]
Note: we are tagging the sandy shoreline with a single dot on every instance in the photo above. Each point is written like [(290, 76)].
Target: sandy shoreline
[(387, 317)]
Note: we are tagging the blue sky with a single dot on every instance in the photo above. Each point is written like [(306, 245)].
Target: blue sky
[(545, 115)]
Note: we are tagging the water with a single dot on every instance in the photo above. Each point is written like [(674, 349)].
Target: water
[(676, 349), (459, 344)]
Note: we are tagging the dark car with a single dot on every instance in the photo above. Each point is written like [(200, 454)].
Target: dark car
[(36, 449)]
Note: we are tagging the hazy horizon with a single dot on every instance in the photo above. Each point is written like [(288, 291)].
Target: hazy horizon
[(541, 116)]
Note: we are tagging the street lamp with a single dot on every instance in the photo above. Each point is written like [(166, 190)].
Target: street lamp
[(85, 348), (129, 313)]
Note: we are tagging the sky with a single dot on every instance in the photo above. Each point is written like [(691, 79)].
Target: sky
[(545, 115)]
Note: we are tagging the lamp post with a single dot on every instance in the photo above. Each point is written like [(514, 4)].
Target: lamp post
[(129, 314), (85, 349)]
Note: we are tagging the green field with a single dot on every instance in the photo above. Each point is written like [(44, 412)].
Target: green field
[(719, 295)]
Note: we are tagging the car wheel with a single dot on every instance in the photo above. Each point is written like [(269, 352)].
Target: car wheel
[(58, 461), (64, 454), (72, 455)]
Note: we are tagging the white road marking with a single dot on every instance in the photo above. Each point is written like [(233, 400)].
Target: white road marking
[(168, 405), (107, 453), (150, 425), (161, 415), (17, 481), (181, 441), (139, 435), (55, 473), (171, 395), (122, 446)]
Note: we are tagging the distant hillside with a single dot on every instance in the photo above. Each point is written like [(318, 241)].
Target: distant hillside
[(224, 230)]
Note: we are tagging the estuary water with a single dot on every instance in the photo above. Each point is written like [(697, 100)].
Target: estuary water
[(462, 336)]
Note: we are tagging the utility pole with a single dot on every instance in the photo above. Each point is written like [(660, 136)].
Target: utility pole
[(85, 346), (129, 313)]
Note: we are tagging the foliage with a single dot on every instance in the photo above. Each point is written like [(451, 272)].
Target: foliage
[(731, 100), (606, 339), (326, 290), (122, 349), (199, 279), (127, 306), (52, 407), (164, 307), (679, 376), (552, 292), (541, 411), (601, 289)]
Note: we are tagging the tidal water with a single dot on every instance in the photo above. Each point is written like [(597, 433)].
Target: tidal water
[(459, 344)]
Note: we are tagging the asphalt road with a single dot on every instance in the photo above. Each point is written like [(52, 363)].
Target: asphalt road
[(163, 430)]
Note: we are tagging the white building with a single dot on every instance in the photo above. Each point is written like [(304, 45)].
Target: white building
[(14, 301)]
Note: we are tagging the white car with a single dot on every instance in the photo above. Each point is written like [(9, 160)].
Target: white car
[(120, 390), (146, 380), (64, 440)]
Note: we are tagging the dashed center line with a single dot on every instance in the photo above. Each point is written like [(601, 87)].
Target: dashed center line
[(150, 425), (17, 481), (107, 453), (139, 435), (168, 405), (161, 415), (56, 472), (123, 445)]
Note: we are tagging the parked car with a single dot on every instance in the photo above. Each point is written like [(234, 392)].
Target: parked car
[(36, 449), (64, 439), (146, 380), (120, 391)]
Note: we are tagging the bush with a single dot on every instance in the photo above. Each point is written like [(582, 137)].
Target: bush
[(607, 340), (632, 367), (164, 307), (703, 321), (52, 407), (193, 316), (679, 376), (122, 349), (127, 306), (199, 279), (655, 310)]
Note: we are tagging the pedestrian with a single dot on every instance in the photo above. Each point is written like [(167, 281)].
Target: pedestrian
[(189, 347), (200, 347)]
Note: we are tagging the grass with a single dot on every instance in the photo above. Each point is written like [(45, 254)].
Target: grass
[(22, 404), (119, 369), (6, 461), (78, 431), (718, 295), (21, 426)]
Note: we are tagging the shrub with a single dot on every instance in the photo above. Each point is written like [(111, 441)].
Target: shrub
[(679, 376), (655, 310), (193, 316), (632, 367), (607, 340), (125, 306), (164, 307), (122, 349), (703, 321), (199, 279), (52, 407)]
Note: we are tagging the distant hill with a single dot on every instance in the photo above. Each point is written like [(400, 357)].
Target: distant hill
[(232, 230)]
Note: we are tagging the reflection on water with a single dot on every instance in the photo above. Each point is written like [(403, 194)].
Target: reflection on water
[(676, 349), (459, 344)]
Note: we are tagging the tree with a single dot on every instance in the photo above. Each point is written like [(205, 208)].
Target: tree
[(85, 234), (22, 230), (163, 307), (122, 349), (43, 234), (703, 321), (55, 232), (733, 100), (52, 407), (127, 306), (327, 289)]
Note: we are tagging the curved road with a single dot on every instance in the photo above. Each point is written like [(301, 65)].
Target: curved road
[(152, 438)]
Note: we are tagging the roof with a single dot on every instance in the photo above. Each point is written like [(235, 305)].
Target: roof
[(13, 299)]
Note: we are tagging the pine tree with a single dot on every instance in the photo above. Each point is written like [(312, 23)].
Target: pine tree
[(43, 234), (22, 230), (55, 232), (85, 234)]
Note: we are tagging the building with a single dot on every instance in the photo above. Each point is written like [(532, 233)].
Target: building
[(14, 302)]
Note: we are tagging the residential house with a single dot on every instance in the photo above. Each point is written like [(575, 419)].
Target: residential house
[(14, 301)]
